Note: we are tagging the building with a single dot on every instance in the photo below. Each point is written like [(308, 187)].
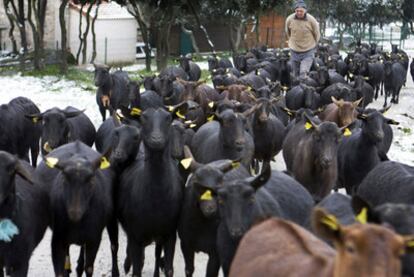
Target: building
[(116, 31), (115, 28), (271, 31)]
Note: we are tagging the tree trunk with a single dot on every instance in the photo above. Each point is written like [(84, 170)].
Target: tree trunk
[(41, 7), (197, 18), (80, 33), (85, 34), (35, 33), (257, 28), (193, 40), (341, 36), (235, 35), (134, 9), (40, 29), (20, 20), (64, 62), (11, 19), (163, 46), (98, 3)]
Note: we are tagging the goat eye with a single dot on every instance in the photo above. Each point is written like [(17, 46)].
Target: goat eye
[(350, 249)]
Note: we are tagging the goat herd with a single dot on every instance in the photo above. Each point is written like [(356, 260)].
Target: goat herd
[(189, 158)]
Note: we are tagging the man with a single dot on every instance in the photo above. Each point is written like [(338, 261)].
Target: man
[(303, 34)]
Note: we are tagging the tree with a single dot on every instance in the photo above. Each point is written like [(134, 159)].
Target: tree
[(94, 53), (12, 21), (19, 15), (320, 9), (142, 14), (63, 35), (36, 18)]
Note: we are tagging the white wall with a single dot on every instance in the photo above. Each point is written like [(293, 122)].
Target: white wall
[(121, 38)]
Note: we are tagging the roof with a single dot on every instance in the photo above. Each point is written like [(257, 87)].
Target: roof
[(107, 10)]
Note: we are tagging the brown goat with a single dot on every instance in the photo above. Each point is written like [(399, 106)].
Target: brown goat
[(240, 93), (281, 248), (341, 112), (198, 92)]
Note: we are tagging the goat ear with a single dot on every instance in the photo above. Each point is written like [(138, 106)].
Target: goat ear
[(385, 109), (53, 162), (102, 161), (309, 123), (391, 121), (228, 165), (260, 180), (363, 211), (409, 243), (325, 225), (22, 172), (362, 116), (34, 117), (357, 102), (336, 101), (289, 112), (189, 161), (116, 118), (72, 114)]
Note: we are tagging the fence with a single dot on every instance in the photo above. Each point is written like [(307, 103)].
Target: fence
[(382, 37), (109, 51)]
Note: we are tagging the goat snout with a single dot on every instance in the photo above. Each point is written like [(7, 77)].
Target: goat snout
[(236, 232)]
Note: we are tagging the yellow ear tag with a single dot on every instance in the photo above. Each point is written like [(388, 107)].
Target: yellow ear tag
[(135, 111), (104, 163), (210, 118), (186, 162), (170, 108), (308, 126), (362, 217), (192, 125), (47, 147), (331, 222), (284, 88), (351, 75), (67, 263), (35, 119), (249, 88), (211, 104), (366, 78), (410, 243), (347, 132), (51, 162), (118, 116), (180, 115), (235, 165), (206, 196)]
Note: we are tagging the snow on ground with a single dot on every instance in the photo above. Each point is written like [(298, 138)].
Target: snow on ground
[(49, 92)]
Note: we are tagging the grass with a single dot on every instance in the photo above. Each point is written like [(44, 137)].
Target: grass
[(406, 130), (84, 78)]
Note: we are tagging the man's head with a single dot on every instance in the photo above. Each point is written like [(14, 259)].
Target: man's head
[(300, 8)]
